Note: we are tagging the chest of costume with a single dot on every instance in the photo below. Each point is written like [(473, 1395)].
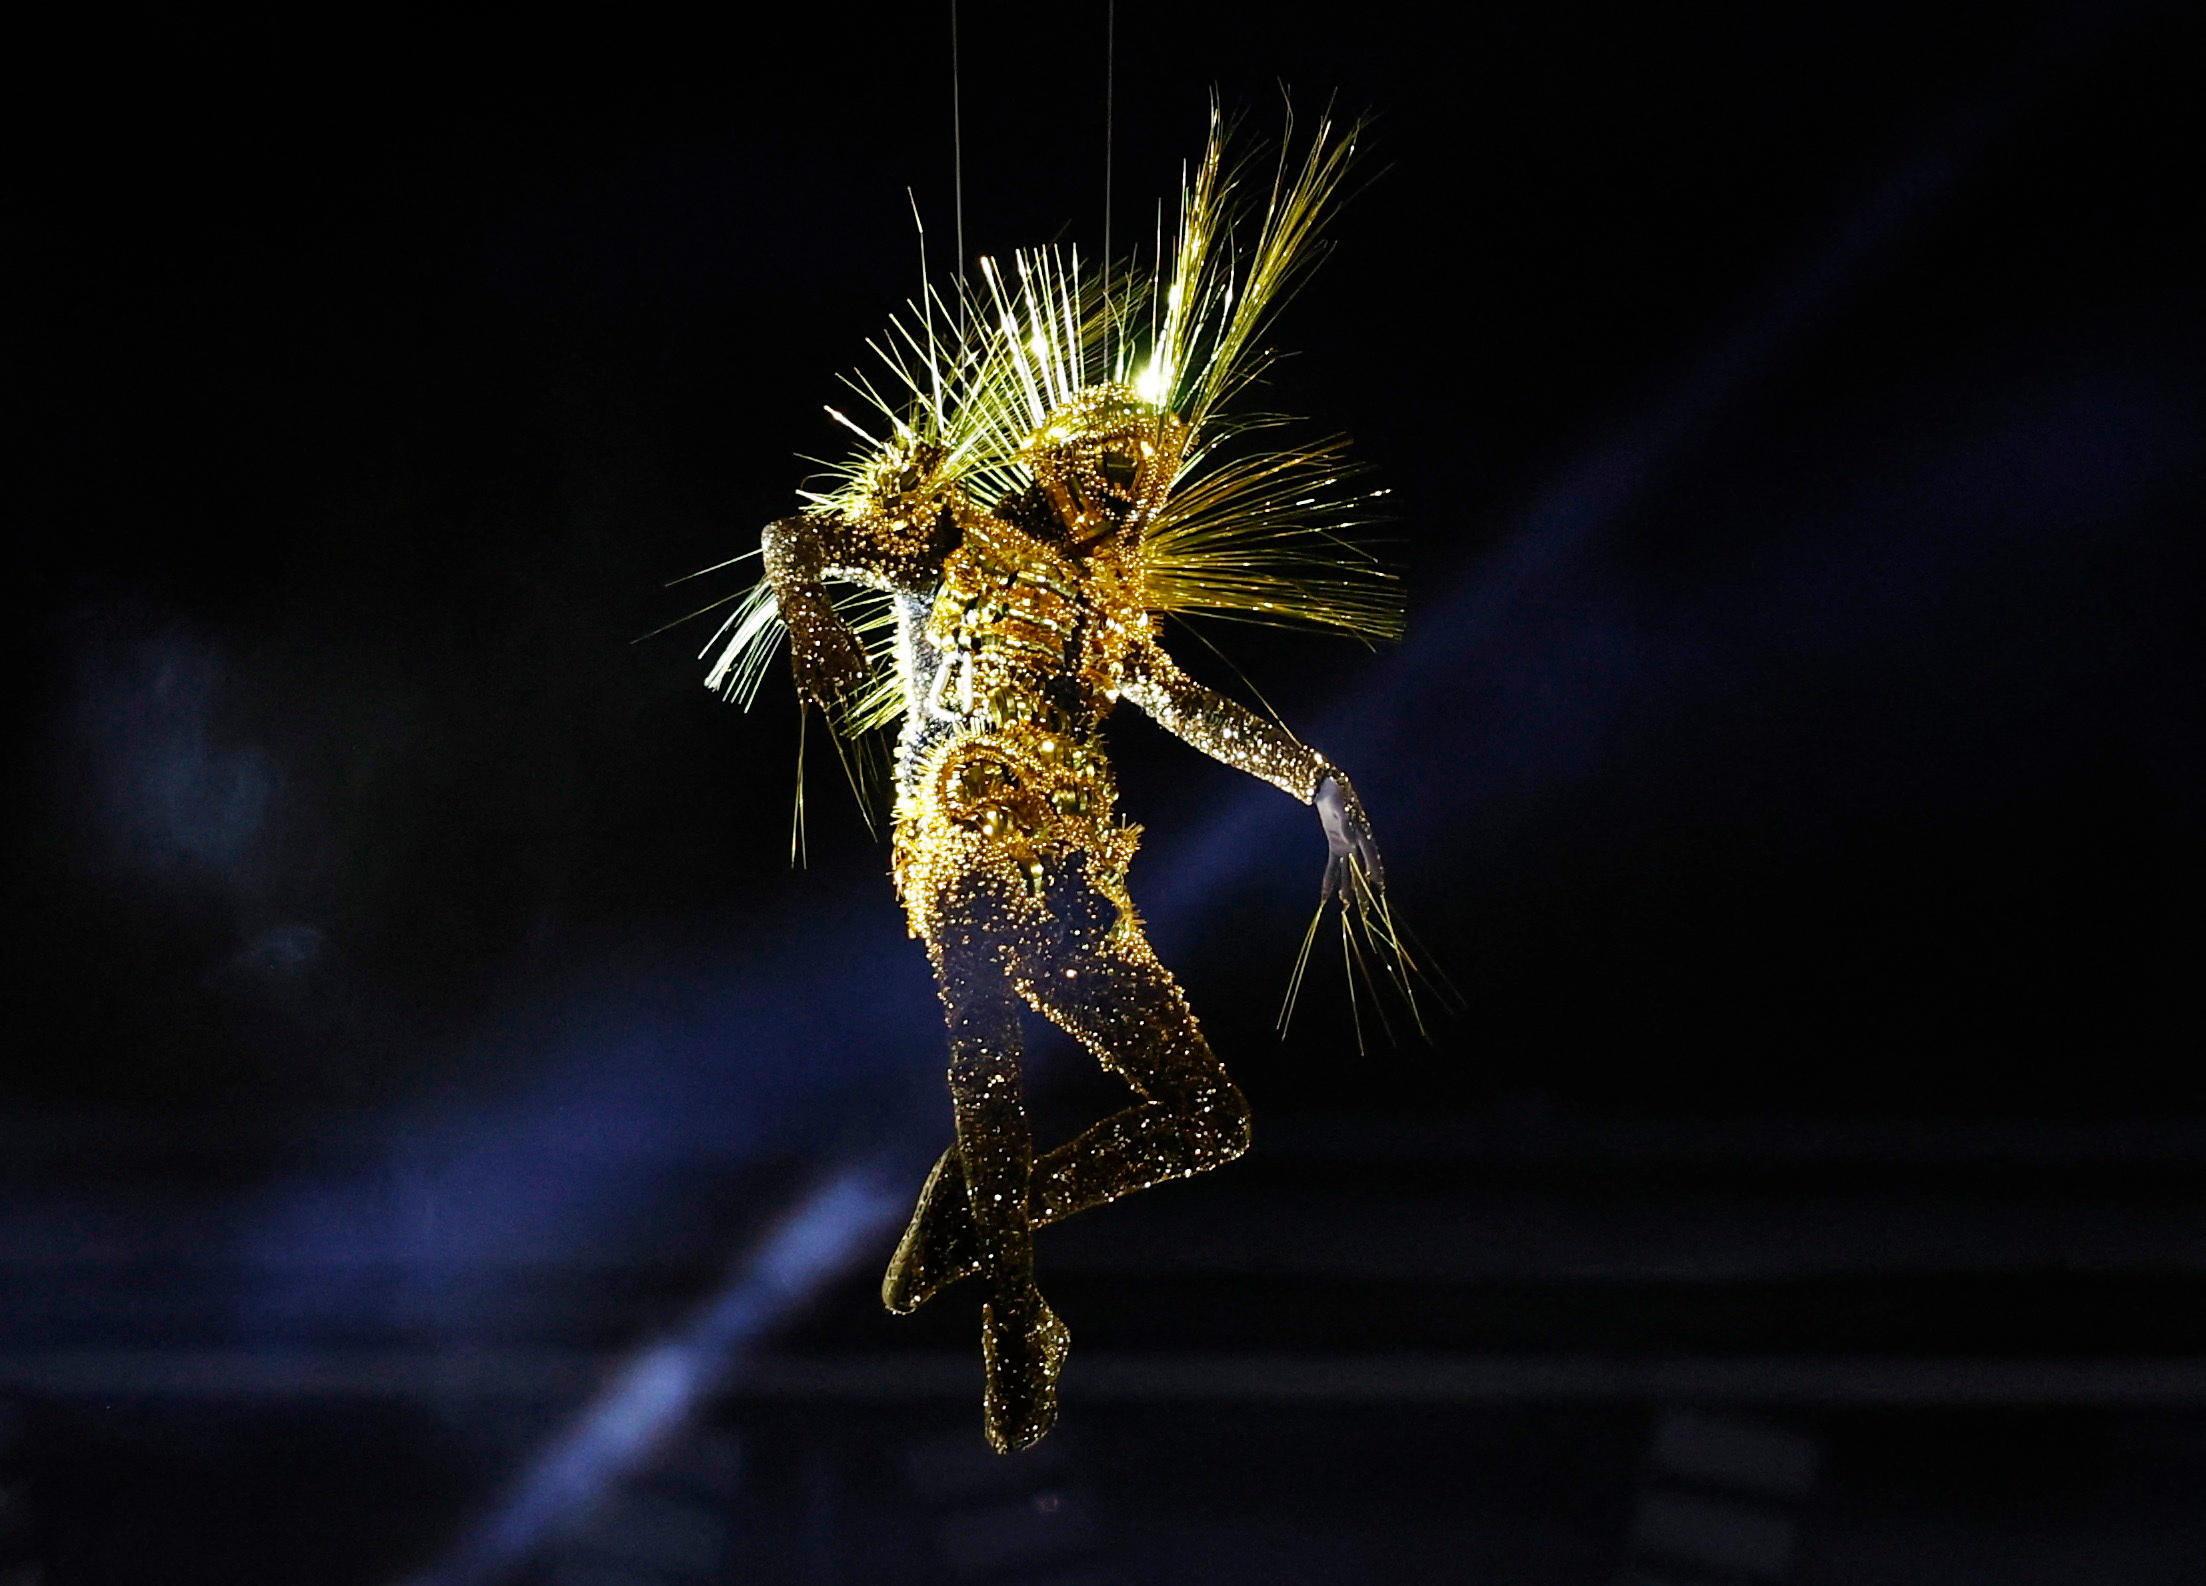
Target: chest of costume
[(1026, 631)]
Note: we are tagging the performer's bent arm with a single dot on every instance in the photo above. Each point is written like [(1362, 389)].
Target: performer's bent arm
[(803, 552), (1229, 731)]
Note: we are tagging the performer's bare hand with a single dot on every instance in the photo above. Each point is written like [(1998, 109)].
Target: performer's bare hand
[(828, 662), (1347, 840)]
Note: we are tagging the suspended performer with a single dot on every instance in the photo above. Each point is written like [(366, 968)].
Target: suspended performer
[(1062, 467)]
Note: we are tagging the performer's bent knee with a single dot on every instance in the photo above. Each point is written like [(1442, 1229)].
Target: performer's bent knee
[(1223, 1118)]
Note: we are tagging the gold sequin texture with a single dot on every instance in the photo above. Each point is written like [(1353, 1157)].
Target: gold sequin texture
[(1051, 482)]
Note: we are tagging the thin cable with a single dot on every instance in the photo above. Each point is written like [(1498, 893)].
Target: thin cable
[(1110, 95), (957, 141)]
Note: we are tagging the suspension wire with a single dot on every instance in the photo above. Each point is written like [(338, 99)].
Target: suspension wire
[(957, 142), (1110, 96)]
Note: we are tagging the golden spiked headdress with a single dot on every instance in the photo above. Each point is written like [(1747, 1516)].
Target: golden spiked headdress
[(1239, 526)]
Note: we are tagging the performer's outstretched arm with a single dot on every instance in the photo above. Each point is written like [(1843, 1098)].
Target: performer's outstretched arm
[(1229, 731), (803, 552)]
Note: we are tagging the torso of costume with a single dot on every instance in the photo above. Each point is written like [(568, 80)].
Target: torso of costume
[(1019, 624), (1010, 668), (1039, 495)]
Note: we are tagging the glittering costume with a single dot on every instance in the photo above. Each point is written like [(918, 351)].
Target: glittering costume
[(1036, 505)]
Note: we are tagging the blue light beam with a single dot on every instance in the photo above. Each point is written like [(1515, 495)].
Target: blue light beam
[(652, 1396)]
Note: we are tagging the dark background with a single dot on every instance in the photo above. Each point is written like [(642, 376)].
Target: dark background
[(1794, 423)]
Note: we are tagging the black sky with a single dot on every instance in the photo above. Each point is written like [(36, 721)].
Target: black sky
[(1793, 416)]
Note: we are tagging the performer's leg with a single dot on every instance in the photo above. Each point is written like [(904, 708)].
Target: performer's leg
[(994, 1145), (1023, 1343), (1128, 1011), (940, 1243), (938, 1246)]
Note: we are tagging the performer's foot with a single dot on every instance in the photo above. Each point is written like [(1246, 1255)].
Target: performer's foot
[(1023, 1346), (938, 1246)]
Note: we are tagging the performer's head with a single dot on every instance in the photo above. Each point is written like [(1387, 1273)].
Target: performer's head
[(1106, 460)]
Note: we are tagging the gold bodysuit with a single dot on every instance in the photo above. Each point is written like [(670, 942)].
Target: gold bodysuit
[(1030, 645), (1009, 856), (1054, 479)]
